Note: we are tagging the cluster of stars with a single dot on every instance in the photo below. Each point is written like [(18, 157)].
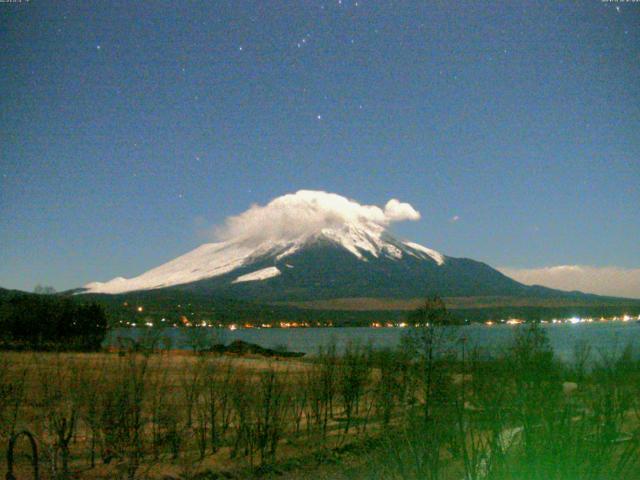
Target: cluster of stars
[(305, 40)]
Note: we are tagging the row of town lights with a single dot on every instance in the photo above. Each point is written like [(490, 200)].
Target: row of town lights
[(511, 321)]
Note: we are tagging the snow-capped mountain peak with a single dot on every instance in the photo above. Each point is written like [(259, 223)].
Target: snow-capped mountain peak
[(287, 226), (216, 259)]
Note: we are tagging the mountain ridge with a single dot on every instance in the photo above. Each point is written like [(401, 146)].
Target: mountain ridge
[(349, 262), (315, 246), (217, 260)]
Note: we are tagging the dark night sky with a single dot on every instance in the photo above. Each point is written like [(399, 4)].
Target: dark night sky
[(129, 128)]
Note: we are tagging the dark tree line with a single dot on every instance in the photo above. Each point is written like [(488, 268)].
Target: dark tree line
[(48, 322)]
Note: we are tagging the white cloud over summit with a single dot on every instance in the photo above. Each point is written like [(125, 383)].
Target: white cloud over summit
[(307, 211), (614, 281)]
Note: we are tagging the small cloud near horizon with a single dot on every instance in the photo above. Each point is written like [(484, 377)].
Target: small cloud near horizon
[(612, 281)]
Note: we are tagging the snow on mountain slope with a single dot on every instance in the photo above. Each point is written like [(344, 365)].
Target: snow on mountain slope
[(261, 274), (280, 229), (437, 256), (208, 260), (215, 259)]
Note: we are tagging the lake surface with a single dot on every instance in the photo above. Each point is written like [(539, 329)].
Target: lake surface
[(607, 337)]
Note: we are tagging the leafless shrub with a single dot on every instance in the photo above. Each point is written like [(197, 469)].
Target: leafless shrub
[(12, 396), (123, 418), (321, 382), (271, 416), (353, 374)]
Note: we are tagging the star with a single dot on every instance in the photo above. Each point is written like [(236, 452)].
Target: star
[(319, 117), (240, 48), (617, 9), (98, 47)]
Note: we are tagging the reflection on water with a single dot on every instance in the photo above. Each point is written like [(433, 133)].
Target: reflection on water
[(602, 337)]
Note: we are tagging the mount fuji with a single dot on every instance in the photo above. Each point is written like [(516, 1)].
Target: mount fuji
[(315, 245)]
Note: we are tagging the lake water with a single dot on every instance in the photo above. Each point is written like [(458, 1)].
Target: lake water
[(607, 337)]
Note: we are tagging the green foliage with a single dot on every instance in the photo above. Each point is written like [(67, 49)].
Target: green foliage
[(48, 322), (432, 313)]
